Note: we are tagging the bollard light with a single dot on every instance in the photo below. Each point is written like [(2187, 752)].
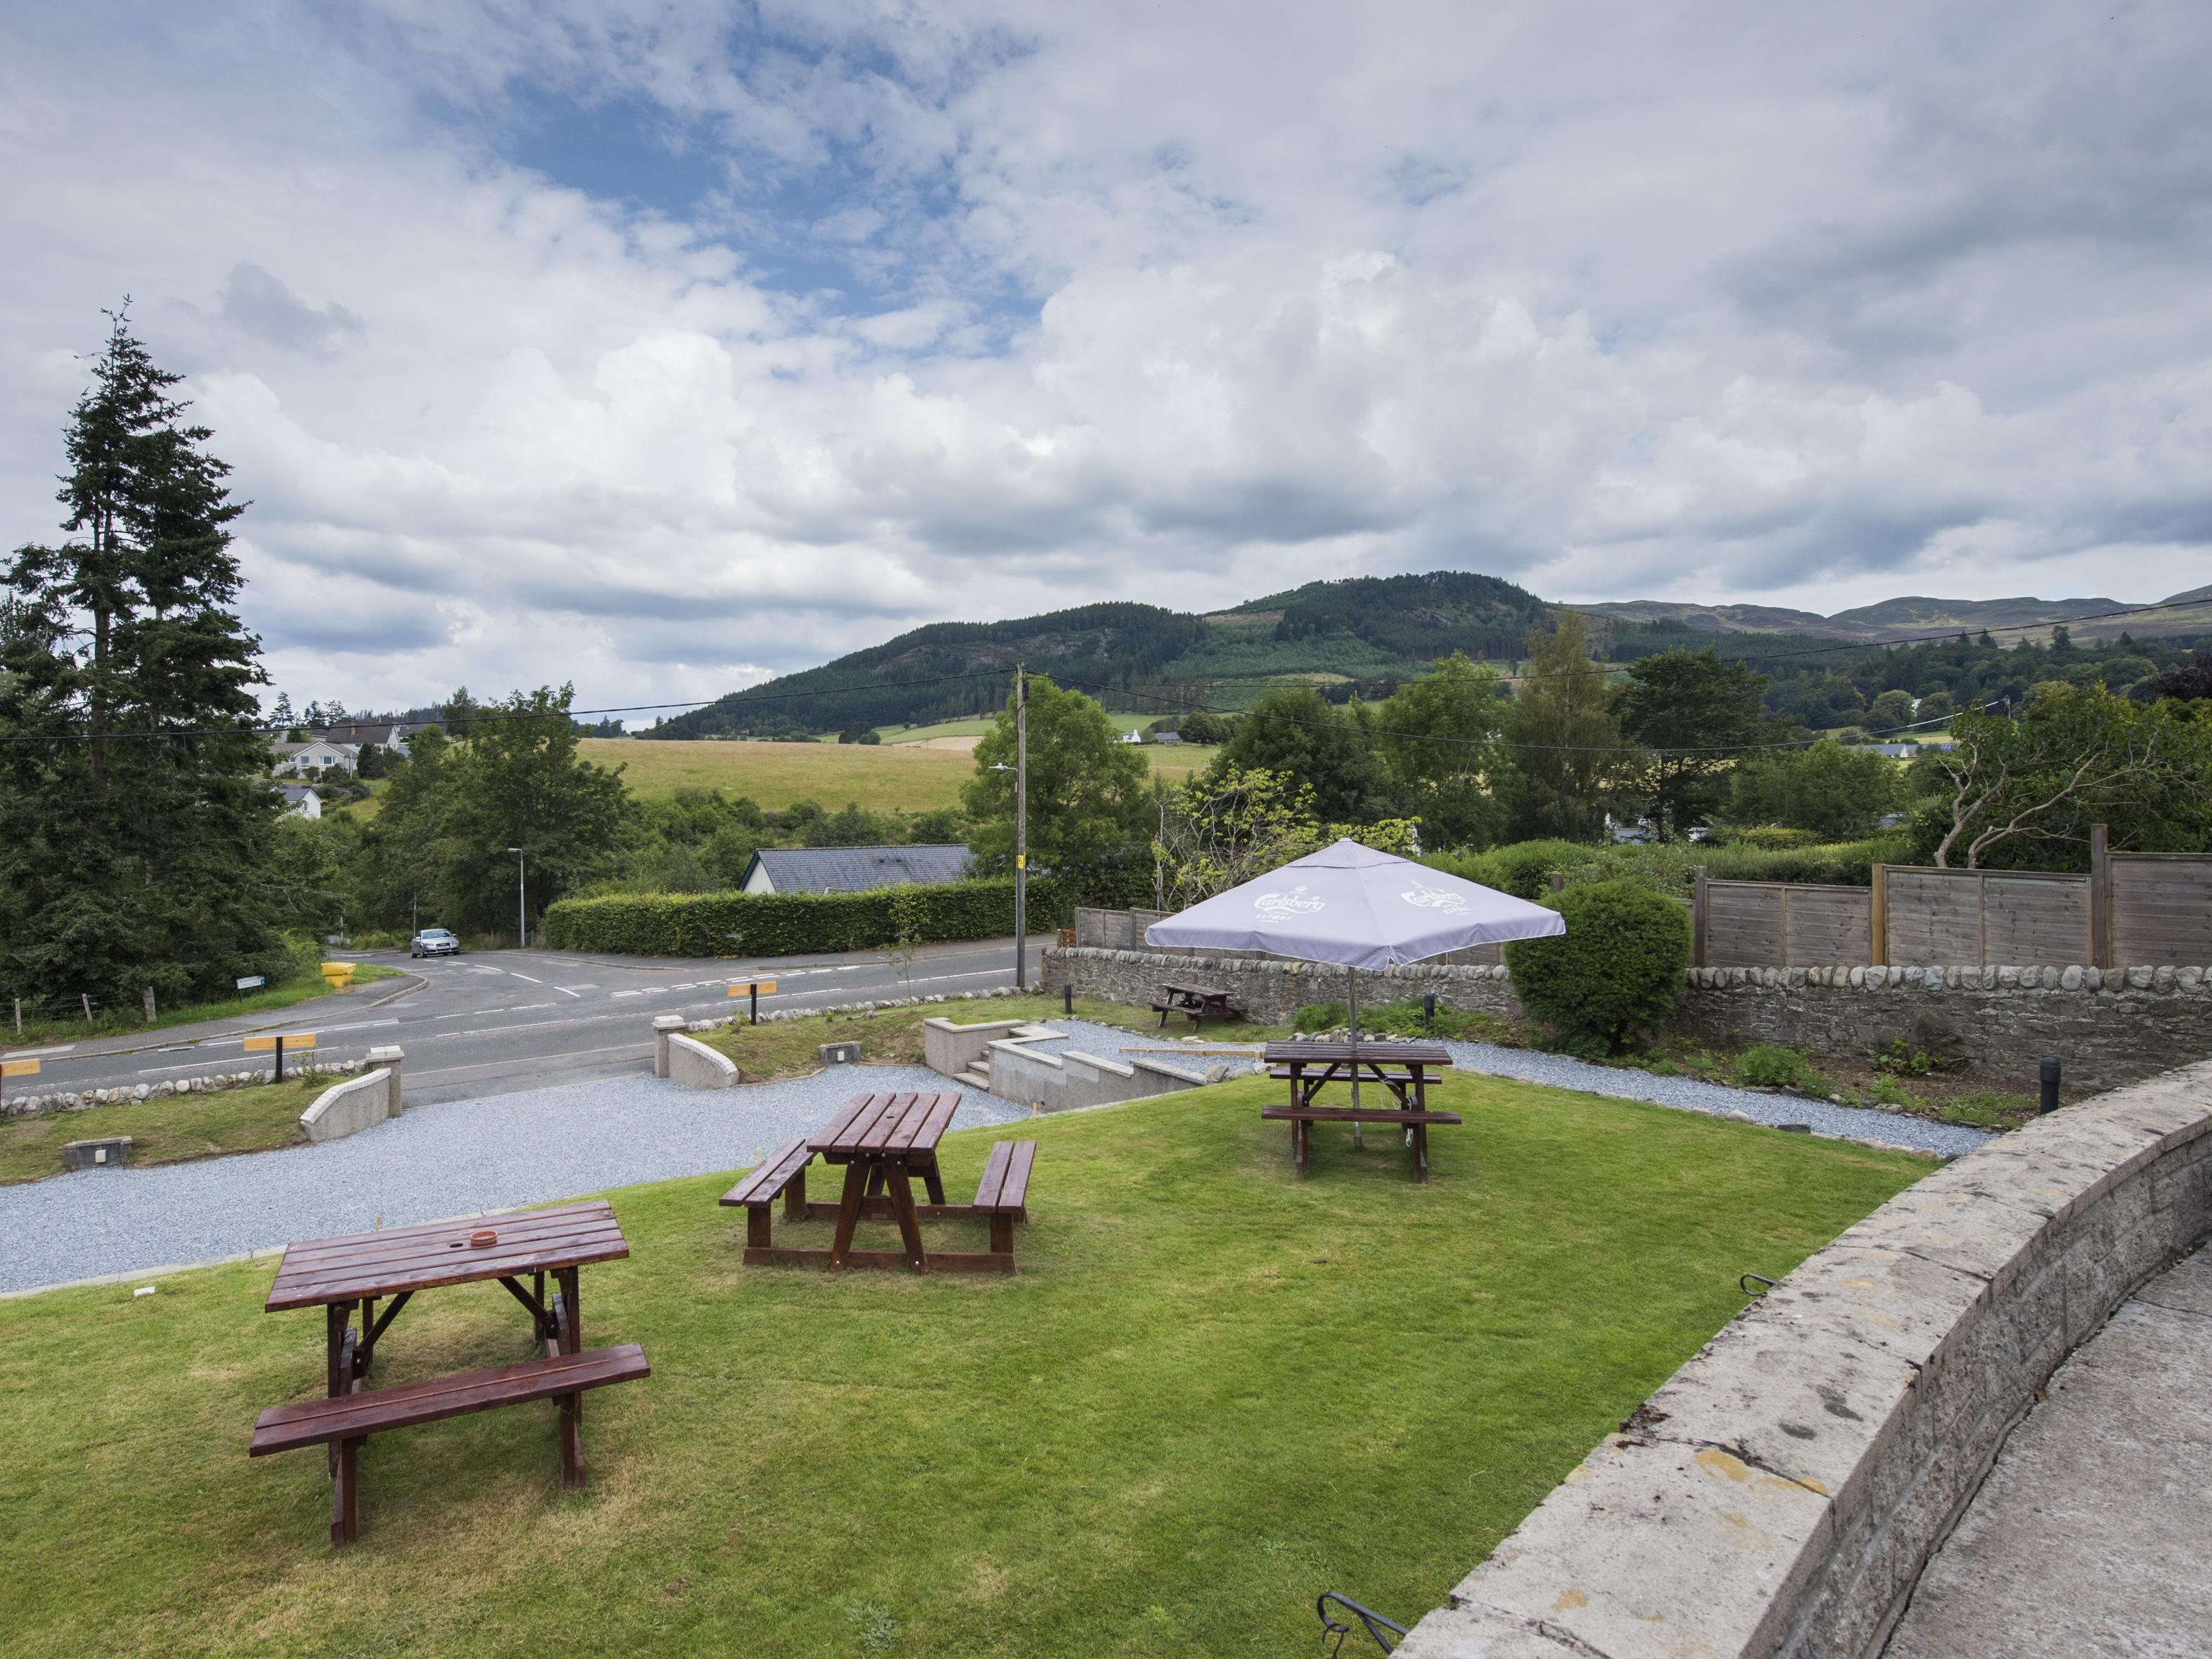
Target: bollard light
[(2049, 1084)]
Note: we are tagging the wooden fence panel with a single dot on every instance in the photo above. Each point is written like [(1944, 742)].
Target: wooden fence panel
[(1772, 924), (1934, 917), (2160, 905), (2034, 918), (1828, 925), (1743, 925)]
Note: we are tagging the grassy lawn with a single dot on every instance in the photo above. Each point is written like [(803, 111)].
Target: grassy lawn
[(111, 1022), (172, 1131), (881, 778), (1212, 1391)]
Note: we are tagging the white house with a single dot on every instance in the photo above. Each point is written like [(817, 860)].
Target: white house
[(300, 801), (317, 755)]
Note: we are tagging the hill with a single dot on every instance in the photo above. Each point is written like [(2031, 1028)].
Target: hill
[(1357, 636), (1362, 633)]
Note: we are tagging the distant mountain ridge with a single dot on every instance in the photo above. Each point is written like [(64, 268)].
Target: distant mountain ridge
[(1360, 635)]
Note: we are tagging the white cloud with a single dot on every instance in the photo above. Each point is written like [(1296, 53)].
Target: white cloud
[(967, 311)]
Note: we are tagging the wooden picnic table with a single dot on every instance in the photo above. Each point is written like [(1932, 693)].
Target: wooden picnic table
[(350, 1275), (886, 1142), (1401, 1068), (1199, 1003)]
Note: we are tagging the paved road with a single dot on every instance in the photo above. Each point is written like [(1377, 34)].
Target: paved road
[(494, 1022), (2091, 1535)]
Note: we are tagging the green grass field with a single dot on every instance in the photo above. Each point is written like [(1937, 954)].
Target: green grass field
[(1212, 1391), (176, 1130)]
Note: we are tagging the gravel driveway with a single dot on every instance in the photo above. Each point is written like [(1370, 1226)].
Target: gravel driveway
[(460, 1157), (1685, 1094)]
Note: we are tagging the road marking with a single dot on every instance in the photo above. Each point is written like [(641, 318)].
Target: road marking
[(533, 981), (37, 1053), (573, 989), (565, 991)]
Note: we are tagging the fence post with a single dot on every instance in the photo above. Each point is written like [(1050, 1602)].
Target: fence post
[(1878, 914), (1698, 922), (2100, 897)]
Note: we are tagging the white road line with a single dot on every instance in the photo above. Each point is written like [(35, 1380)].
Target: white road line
[(576, 987), (533, 981), (565, 991)]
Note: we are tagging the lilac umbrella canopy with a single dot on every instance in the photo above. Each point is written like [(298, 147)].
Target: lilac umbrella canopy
[(1356, 907)]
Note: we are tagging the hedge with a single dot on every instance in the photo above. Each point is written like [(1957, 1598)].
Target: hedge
[(792, 923)]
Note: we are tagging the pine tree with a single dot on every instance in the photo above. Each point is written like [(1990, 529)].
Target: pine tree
[(1563, 739), (135, 823)]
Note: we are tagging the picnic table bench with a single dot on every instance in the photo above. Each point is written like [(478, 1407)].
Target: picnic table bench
[(886, 1142), (1401, 1069), (344, 1275), (1197, 1003)]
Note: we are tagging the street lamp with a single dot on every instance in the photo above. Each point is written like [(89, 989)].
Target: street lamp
[(521, 902)]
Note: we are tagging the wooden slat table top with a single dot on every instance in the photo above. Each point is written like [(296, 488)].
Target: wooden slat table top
[(1388, 1053), (887, 1125), (380, 1264), (1206, 990)]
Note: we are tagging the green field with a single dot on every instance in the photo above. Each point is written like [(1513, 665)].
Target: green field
[(1212, 1391)]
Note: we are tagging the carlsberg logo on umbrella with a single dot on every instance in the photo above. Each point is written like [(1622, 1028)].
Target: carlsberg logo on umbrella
[(1434, 898), (1292, 903)]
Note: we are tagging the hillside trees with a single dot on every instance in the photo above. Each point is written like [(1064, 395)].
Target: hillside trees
[(1442, 734), (1291, 731), (1691, 715), (2023, 792), (136, 826), (448, 816), (1089, 797), (1563, 739)]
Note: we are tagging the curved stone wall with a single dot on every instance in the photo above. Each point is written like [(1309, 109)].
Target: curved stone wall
[(1780, 1494)]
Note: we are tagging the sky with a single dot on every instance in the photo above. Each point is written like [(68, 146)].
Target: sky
[(664, 348)]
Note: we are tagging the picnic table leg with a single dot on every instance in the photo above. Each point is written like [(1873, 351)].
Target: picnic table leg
[(1421, 1152), (909, 1223), (1299, 1143), (572, 1405), (932, 1180), (794, 1200), (364, 1347), (345, 1490), (337, 1332), (848, 1214)]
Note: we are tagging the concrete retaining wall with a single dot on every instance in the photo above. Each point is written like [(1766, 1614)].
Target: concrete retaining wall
[(1780, 1494), (950, 1048), (359, 1102), (688, 1060), (1072, 1081), (2110, 1027)]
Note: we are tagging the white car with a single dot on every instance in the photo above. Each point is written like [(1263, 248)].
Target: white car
[(434, 942)]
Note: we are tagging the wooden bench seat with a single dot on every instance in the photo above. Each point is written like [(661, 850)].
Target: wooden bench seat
[(783, 1171), (347, 1419), (1353, 1115), (1003, 1193)]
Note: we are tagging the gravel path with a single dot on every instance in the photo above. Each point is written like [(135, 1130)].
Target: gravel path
[(461, 1158), (1685, 1094)]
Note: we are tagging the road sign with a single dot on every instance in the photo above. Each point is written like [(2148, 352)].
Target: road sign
[(17, 1068), (755, 989), (251, 981), (278, 1042)]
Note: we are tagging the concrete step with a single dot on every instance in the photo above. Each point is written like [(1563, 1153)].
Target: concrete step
[(975, 1080)]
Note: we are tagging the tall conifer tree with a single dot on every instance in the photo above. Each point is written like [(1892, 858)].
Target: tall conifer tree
[(136, 819)]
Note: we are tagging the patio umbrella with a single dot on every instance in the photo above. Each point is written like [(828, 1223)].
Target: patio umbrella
[(1353, 906)]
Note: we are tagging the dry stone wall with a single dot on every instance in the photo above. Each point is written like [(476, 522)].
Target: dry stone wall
[(2109, 1026)]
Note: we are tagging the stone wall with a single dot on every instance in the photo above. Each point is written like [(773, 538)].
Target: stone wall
[(1781, 1493), (2109, 1027)]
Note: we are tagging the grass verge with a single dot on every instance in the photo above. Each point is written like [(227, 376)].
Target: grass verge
[(175, 1130), (1212, 1391), (288, 993)]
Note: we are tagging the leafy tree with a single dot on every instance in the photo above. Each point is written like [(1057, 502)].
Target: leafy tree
[(1564, 738), (850, 827), (136, 829), (1201, 726), (859, 733), (1691, 713), (1936, 705), (280, 714), (2190, 684), (1223, 828), (1835, 792), (1293, 733), (1889, 711), (1443, 733), (1089, 796), (940, 826), (2023, 792)]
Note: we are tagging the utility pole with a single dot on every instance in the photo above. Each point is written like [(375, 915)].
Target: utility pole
[(1021, 825), (521, 904)]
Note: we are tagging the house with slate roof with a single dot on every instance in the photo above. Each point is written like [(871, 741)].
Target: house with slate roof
[(852, 869)]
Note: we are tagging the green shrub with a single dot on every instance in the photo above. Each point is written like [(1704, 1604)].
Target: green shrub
[(1522, 868), (1771, 1067), (728, 924), (1320, 1017), (1613, 975), (1767, 837), (1407, 1020)]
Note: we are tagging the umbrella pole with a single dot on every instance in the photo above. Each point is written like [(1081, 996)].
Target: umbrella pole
[(1352, 977)]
